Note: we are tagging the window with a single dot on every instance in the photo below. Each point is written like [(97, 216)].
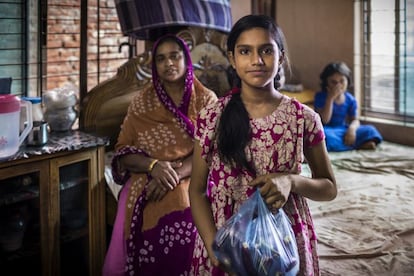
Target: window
[(46, 44), (388, 59), (12, 46)]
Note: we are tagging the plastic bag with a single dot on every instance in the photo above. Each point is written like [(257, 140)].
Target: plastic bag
[(256, 242)]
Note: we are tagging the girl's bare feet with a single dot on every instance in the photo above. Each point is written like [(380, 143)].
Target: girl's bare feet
[(370, 145)]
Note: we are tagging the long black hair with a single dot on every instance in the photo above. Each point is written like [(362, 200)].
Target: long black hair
[(234, 132)]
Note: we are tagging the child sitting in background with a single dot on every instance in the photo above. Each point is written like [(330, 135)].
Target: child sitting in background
[(338, 110)]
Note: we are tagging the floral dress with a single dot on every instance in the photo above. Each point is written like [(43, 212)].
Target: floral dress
[(276, 145)]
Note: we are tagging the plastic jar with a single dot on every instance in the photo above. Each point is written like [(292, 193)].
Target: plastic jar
[(37, 111), (38, 136)]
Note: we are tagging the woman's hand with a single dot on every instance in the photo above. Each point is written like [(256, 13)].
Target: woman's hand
[(164, 173), (155, 191), (183, 167), (274, 188), (165, 177)]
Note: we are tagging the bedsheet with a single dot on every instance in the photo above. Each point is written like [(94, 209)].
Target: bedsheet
[(369, 228)]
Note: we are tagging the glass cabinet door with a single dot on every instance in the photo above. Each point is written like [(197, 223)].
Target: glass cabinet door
[(20, 219), (76, 182), (74, 236)]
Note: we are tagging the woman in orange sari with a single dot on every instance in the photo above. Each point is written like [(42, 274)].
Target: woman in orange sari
[(153, 224)]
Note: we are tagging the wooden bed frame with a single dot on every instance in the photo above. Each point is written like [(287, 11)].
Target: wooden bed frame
[(105, 106)]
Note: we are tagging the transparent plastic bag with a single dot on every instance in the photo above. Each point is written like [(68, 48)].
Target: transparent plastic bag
[(256, 242)]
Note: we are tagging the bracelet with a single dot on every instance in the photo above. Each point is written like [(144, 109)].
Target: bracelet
[(152, 165)]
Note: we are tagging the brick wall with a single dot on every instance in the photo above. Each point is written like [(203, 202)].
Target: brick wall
[(63, 42)]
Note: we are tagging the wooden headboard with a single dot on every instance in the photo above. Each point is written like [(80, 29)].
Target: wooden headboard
[(105, 106)]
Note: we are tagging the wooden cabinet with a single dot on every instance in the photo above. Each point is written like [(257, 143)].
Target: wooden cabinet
[(52, 208)]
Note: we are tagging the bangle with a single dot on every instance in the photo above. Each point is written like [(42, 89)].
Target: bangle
[(152, 165)]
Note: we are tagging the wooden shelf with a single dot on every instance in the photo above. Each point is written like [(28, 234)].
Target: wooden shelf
[(305, 96), (25, 194), (70, 161)]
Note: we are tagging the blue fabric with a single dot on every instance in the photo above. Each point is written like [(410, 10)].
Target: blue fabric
[(138, 17), (340, 113), (337, 127)]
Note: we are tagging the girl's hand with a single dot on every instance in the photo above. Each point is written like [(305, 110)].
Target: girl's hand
[(350, 137), (335, 91), (216, 263), (274, 188)]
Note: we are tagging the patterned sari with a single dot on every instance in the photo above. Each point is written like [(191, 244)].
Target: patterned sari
[(157, 232)]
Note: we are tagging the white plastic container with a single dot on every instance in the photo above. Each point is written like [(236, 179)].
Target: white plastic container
[(38, 136), (37, 110), (10, 109)]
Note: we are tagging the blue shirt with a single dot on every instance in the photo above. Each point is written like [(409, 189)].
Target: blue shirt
[(340, 112)]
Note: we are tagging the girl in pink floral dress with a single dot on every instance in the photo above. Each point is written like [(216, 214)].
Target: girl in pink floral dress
[(257, 138)]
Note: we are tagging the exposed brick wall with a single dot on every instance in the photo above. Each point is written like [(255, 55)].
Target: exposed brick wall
[(63, 42)]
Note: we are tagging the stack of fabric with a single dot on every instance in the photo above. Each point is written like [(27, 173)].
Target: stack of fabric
[(139, 17)]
